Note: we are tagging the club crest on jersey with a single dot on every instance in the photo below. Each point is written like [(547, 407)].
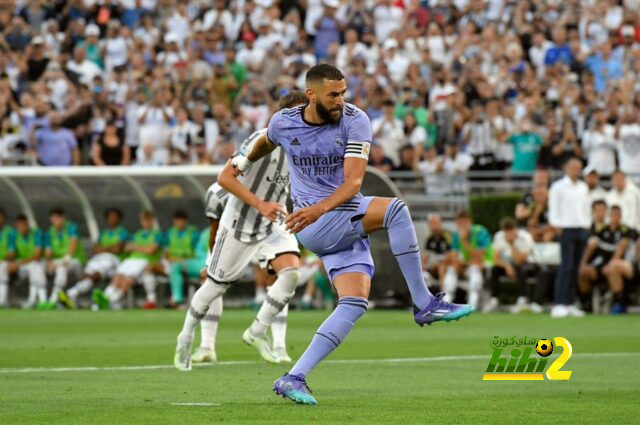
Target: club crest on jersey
[(339, 141), (295, 142)]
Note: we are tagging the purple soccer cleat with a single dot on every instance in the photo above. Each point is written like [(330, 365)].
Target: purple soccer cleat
[(295, 388), (439, 309)]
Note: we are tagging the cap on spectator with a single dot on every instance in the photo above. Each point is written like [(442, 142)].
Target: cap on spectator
[(92, 30), (170, 37), (589, 169), (264, 3), (628, 31), (37, 40), (248, 36), (334, 4), (390, 44)]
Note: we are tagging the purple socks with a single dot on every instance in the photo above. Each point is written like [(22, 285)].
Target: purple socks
[(331, 333), (404, 246)]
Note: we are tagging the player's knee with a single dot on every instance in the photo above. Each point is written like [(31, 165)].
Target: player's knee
[(397, 212), (291, 277)]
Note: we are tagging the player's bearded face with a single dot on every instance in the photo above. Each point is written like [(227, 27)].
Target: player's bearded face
[(328, 114)]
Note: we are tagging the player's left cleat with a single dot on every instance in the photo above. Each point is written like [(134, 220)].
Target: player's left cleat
[(182, 358), (46, 305), (280, 353), (294, 387), (65, 300), (261, 344), (441, 310), (204, 355)]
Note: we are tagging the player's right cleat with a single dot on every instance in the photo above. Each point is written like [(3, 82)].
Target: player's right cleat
[(46, 305), (204, 355), (439, 310), (261, 344), (280, 353), (182, 358), (294, 387), (100, 299), (66, 300)]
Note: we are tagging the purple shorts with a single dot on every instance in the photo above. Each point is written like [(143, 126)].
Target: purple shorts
[(338, 239)]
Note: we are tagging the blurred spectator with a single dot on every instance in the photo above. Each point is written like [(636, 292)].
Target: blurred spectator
[(82, 69), (626, 195), (379, 160), (54, 145), (328, 28), (479, 140), (408, 161), (526, 145), (387, 18), (628, 141), (513, 257), (599, 144), (109, 148), (153, 121), (388, 132), (182, 135), (592, 179)]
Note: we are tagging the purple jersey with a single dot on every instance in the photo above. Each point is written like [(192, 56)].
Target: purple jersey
[(316, 152)]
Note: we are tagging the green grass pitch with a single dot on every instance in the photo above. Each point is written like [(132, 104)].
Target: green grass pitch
[(441, 383)]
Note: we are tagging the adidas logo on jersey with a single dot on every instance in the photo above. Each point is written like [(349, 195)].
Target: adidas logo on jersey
[(295, 142)]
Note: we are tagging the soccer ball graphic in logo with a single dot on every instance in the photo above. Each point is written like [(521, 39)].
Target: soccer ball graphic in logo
[(544, 347)]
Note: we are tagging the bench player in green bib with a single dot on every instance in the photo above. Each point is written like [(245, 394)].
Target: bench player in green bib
[(63, 251), (144, 249), (27, 262), (7, 251), (179, 252), (107, 254)]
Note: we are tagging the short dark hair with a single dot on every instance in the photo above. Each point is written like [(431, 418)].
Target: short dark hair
[(56, 211), (463, 214), (21, 217), (616, 207), (180, 214), (147, 214), (292, 99), (508, 223), (113, 210), (323, 71), (598, 202)]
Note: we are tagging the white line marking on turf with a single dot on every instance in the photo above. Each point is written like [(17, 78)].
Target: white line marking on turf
[(251, 362), (195, 404)]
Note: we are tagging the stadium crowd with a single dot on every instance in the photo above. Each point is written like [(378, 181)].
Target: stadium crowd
[(448, 85)]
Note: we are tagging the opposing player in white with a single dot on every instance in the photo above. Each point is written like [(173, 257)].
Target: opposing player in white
[(251, 226)]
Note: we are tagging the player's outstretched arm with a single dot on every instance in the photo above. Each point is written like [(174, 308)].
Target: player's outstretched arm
[(228, 179), (260, 148), (354, 169)]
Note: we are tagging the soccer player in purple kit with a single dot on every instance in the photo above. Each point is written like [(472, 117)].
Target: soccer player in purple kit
[(327, 144)]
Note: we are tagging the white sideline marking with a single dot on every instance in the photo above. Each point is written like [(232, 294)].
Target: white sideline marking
[(251, 362), (195, 404)]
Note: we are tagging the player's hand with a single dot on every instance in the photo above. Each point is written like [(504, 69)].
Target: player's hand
[(271, 210), (240, 164), (300, 219)]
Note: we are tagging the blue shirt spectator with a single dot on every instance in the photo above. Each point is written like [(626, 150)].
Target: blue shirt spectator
[(605, 67), (55, 145)]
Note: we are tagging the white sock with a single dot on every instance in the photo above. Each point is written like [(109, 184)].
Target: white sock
[(149, 283), (114, 294), (279, 328), (209, 325), (59, 281), (450, 283), (276, 299), (81, 287), (33, 293), (200, 303), (306, 299), (260, 294), (4, 293), (475, 284)]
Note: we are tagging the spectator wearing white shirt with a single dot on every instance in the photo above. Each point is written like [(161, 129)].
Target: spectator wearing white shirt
[(350, 49), (396, 61), (569, 211), (387, 18), (182, 136), (388, 132), (85, 69), (153, 121), (592, 179), (513, 257), (220, 16), (626, 195), (599, 145), (628, 142), (538, 51)]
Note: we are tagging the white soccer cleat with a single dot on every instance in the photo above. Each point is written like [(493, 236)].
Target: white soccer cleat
[(182, 358), (536, 308), (204, 355), (559, 311), (262, 345), (575, 311), (490, 306), (280, 353)]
